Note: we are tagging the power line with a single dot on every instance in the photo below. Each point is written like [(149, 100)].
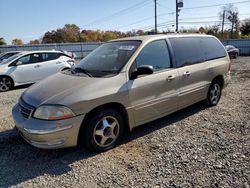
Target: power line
[(172, 21), (121, 12), (159, 4), (189, 18), (215, 5), (195, 18), (144, 3), (163, 25), (143, 20)]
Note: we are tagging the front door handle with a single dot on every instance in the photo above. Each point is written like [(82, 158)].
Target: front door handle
[(186, 74), (170, 78), (36, 66), (58, 62)]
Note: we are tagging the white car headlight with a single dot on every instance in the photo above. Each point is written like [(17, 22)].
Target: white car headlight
[(53, 112)]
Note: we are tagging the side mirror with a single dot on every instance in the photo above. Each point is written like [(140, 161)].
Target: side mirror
[(19, 63), (142, 70)]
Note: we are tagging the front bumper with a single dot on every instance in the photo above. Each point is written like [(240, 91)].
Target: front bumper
[(48, 134)]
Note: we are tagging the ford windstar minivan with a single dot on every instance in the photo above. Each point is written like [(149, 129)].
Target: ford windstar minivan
[(120, 85)]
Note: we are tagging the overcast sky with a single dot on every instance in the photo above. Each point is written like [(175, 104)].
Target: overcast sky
[(30, 19)]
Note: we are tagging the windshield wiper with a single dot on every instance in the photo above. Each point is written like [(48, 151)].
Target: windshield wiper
[(83, 71)]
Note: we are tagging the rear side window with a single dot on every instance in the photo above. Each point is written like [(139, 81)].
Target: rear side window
[(50, 56), (213, 48), (187, 51), (192, 50), (155, 54)]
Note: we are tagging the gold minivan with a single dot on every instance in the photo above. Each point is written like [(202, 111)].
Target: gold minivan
[(120, 85)]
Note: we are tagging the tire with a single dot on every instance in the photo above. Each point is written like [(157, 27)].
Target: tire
[(6, 84), (236, 55), (214, 93), (103, 130)]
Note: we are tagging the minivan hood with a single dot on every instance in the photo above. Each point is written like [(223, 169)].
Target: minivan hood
[(67, 89)]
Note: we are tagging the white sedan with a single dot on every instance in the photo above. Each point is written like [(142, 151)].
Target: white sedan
[(30, 67)]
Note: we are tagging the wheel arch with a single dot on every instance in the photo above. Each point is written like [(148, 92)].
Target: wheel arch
[(11, 79), (114, 105), (220, 79), (65, 68)]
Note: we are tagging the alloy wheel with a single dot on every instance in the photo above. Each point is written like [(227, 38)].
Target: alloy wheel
[(106, 131), (215, 93), (5, 84)]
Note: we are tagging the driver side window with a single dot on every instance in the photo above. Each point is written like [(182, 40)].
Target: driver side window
[(155, 54), (28, 59), (24, 60)]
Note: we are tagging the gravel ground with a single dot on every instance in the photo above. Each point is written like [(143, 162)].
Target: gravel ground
[(195, 147)]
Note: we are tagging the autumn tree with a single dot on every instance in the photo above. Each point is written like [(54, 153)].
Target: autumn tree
[(35, 42), (72, 33), (202, 30), (2, 41), (17, 41)]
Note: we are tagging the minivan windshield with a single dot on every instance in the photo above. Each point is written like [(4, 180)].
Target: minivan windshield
[(108, 59)]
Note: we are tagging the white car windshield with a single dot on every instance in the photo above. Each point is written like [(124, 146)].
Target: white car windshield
[(10, 59)]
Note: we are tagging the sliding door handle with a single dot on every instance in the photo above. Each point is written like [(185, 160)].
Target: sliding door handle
[(186, 74), (170, 78)]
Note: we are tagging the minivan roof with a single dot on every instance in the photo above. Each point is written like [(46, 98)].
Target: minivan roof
[(145, 38)]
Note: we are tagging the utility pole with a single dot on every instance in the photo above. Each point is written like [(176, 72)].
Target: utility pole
[(176, 14), (223, 22), (179, 4), (232, 29), (155, 16)]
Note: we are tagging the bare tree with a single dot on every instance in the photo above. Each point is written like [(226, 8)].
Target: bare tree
[(231, 14)]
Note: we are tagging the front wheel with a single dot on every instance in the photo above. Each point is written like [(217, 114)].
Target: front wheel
[(103, 130), (214, 93), (5, 84), (236, 55)]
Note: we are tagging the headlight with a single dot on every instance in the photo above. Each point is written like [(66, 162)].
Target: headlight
[(51, 112)]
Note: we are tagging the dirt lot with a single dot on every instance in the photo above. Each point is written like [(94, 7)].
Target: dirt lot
[(195, 147)]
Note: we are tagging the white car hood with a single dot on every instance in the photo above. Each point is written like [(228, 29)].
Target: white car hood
[(3, 68)]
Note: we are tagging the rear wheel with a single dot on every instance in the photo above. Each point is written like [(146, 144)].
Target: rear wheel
[(103, 130), (214, 93), (6, 84)]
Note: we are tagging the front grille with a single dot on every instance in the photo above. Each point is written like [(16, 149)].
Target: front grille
[(25, 109)]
